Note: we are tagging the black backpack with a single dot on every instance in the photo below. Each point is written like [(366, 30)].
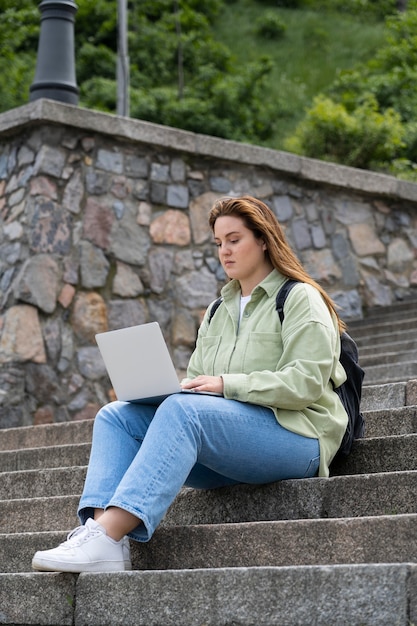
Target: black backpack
[(350, 391)]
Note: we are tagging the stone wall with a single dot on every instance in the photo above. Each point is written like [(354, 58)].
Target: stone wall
[(104, 225)]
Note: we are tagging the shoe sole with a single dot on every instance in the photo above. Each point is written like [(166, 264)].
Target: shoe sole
[(74, 568)]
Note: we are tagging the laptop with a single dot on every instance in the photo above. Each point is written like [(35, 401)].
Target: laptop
[(139, 365)]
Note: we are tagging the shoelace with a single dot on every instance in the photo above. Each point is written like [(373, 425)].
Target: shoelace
[(78, 535)]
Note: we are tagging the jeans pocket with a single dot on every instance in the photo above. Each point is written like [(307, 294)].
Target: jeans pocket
[(312, 468)]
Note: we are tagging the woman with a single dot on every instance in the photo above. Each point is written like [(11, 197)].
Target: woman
[(277, 418)]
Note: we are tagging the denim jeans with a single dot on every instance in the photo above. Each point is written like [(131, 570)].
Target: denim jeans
[(142, 455)]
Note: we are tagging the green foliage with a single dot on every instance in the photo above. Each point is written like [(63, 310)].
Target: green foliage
[(16, 77), (403, 168), (317, 38), (154, 51), (365, 8), (316, 46), (391, 75), (286, 4), (99, 93), (270, 25), (96, 23), (367, 117), (365, 138), (166, 38), (19, 31), (388, 82), (97, 61), (223, 68), (230, 106), (218, 97)]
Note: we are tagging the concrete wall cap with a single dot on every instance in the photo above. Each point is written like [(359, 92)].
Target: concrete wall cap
[(354, 179)]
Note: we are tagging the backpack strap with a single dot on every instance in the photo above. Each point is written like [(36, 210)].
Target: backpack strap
[(279, 302), (282, 296), (214, 308)]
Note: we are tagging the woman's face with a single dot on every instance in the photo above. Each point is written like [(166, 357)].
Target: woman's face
[(241, 254)]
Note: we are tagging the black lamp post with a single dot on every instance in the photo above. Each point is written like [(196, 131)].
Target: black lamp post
[(55, 67)]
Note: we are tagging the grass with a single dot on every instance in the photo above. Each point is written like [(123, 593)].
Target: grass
[(314, 49)]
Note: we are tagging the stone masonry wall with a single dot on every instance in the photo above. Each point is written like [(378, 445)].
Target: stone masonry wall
[(104, 225)]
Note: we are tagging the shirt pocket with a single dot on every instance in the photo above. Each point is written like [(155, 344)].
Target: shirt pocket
[(211, 346), (263, 351)]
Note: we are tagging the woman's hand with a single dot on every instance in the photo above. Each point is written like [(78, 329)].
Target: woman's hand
[(205, 383)]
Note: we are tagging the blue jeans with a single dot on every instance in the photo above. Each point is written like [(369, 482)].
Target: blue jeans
[(142, 455)]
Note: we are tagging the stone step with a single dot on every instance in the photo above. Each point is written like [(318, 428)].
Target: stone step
[(376, 327), (391, 422), (39, 514), (42, 483), (346, 595), (380, 374), (380, 330), (391, 347), (399, 452), (385, 539), (395, 336), (46, 435), (388, 358), (363, 458), (45, 482), (403, 308), (52, 456), (386, 423), (389, 395), (374, 397), (374, 494), (381, 539)]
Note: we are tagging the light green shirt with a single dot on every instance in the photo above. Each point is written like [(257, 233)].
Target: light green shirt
[(288, 369)]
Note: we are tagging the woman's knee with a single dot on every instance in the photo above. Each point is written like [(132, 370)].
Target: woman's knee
[(179, 406), (108, 411), (127, 416), (114, 414)]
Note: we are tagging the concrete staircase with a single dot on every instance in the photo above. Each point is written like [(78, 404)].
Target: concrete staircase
[(325, 552)]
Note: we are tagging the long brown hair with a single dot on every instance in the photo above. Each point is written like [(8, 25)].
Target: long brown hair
[(259, 218)]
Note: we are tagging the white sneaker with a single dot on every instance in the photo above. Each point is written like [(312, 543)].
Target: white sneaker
[(87, 549)]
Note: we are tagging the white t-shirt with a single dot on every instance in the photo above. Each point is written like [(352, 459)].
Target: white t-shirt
[(243, 302)]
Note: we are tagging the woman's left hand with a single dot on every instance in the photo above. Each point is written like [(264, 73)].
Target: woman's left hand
[(205, 383)]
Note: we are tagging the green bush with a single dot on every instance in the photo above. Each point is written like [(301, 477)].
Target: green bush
[(99, 93), (97, 61), (270, 25), (285, 4), (404, 169), (289, 4), (316, 38), (229, 106), (377, 8), (365, 138)]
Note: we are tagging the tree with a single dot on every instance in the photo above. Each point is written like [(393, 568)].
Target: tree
[(19, 32), (364, 138), (388, 83), (179, 74)]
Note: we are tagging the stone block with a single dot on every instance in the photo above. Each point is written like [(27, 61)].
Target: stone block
[(37, 599), (356, 595)]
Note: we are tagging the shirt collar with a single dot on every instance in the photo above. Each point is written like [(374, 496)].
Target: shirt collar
[(268, 285)]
